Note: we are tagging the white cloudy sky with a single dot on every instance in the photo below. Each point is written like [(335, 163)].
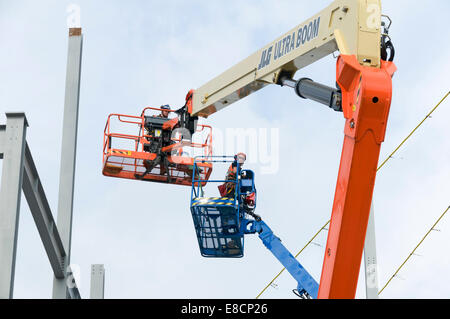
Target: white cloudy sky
[(140, 53)]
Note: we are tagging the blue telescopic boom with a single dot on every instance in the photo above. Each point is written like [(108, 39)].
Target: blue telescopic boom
[(307, 287), (220, 225)]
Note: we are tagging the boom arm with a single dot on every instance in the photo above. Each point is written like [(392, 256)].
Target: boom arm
[(307, 286), (351, 26)]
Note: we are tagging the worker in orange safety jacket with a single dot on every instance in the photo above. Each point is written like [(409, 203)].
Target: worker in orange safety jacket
[(231, 174)]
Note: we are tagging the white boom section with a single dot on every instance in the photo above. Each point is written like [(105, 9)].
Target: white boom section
[(351, 26)]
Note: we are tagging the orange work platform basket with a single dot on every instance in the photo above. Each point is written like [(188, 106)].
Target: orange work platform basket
[(160, 152)]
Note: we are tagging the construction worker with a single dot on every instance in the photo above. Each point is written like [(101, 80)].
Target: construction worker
[(157, 139), (164, 111), (164, 114), (231, 174)]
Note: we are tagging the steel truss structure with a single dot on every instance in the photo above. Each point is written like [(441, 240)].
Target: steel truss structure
[(19, 173)]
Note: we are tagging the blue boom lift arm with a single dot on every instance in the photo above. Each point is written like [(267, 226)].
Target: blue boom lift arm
[(307, 287), (221, 223)]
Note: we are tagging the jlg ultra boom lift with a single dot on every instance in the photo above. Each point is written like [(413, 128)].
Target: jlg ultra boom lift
[(363, 93)]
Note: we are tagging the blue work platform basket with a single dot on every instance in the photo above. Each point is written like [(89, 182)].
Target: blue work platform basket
[(218, 220)]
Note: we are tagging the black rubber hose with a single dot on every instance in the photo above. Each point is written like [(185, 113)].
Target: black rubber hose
[(391, 48)]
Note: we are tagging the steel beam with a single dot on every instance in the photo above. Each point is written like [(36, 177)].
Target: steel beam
[(12, 146), (2, 140), (72, 288), (97, 282), (68, 153), (40, 209), (370, 259)]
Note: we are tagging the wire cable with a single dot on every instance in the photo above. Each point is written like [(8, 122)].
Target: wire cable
[(415, 248), (310, 241), (382, 164), (413, 131)]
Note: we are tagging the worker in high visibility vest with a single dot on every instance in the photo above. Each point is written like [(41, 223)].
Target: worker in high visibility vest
[(231, 174)]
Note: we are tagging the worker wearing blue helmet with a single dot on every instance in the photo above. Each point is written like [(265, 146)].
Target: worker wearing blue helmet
[(164, 111)]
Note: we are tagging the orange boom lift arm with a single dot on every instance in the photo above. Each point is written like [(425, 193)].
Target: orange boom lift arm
[(366, 100)]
